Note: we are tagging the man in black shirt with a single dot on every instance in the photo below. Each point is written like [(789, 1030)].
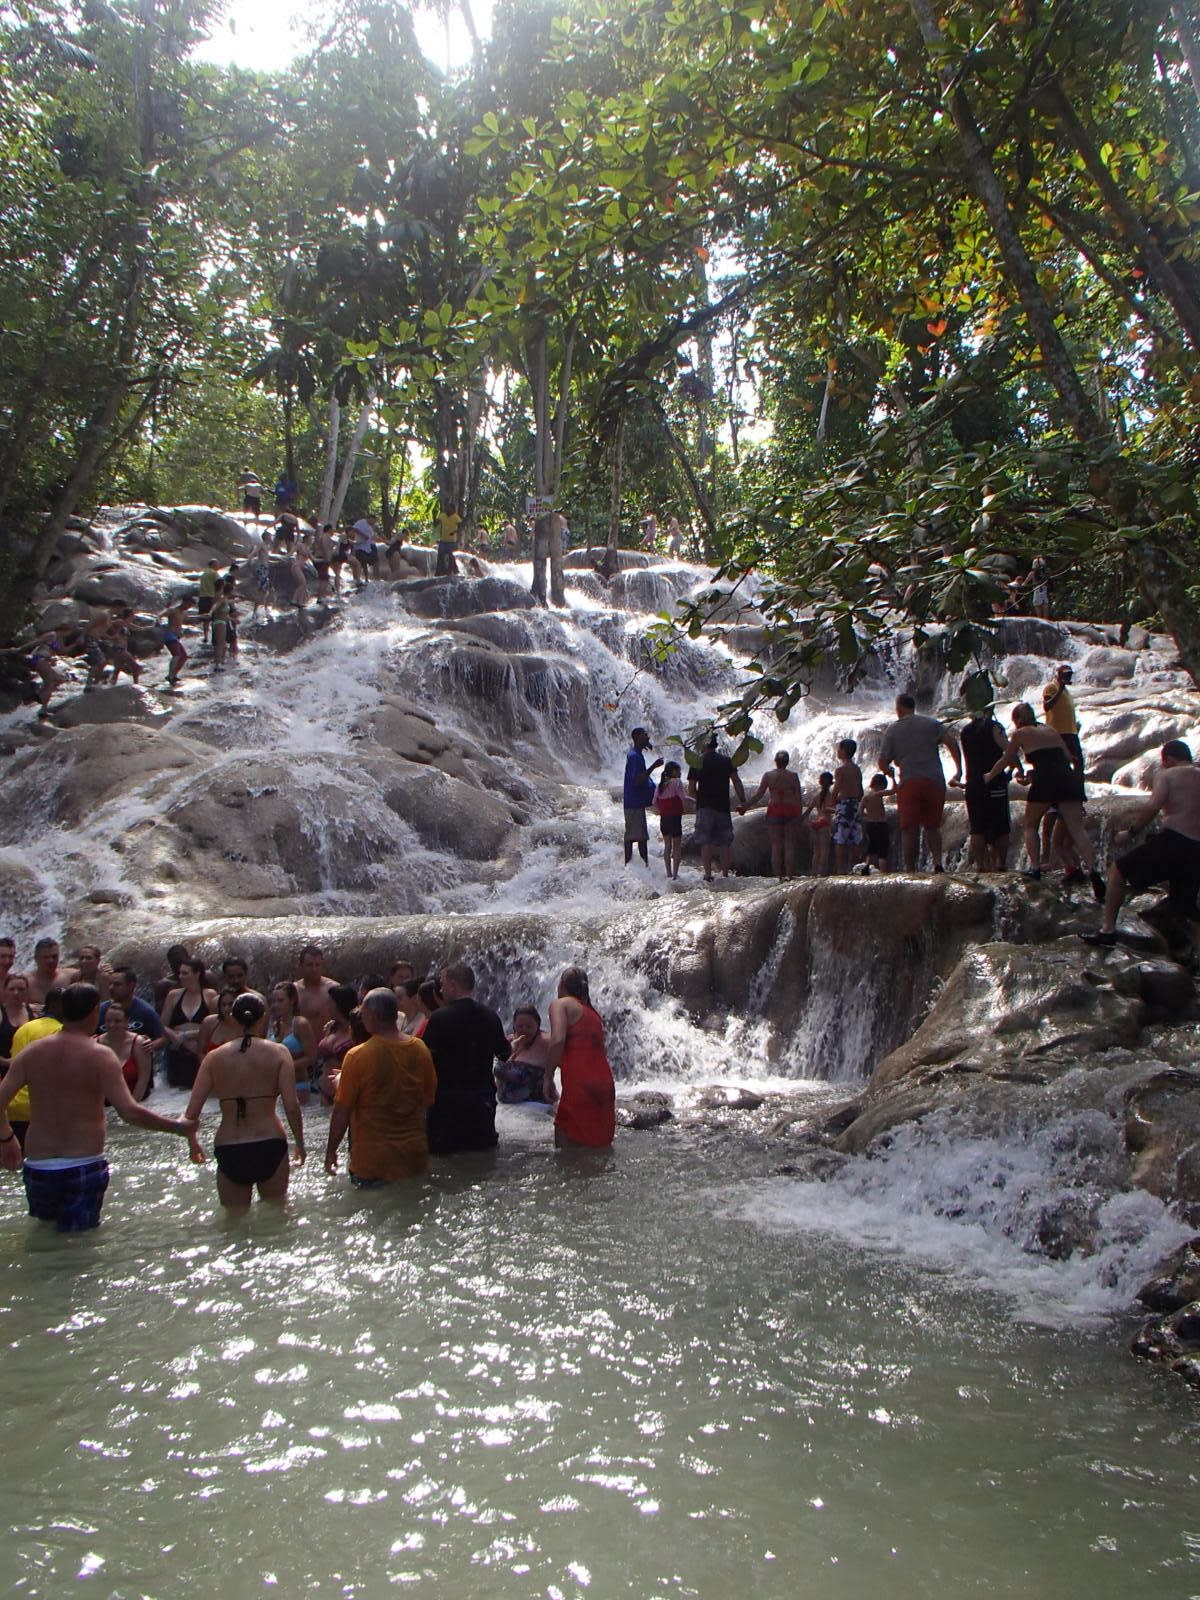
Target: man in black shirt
[(709, 784), (464, 1038)]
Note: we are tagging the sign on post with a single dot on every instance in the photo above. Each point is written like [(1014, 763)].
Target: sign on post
[(538, 505)]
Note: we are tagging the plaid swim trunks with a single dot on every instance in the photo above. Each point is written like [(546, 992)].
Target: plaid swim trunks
[(69, 1196)]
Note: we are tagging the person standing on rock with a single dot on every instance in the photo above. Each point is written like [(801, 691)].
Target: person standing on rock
[(209, 579), (1054, 783), (987, 803), (914, 744), (1059, 710), (638, 793), (70, 1076), (1170, 856), (465, 1039), (385, 1088), (251, 491), (847, 798), (709, 785), (785, 808), (172, 630)]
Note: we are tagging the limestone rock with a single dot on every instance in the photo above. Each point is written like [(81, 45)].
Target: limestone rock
[(1162, 1132), (649, 1109), (463, 597), (120, 702), (1176, 1282)]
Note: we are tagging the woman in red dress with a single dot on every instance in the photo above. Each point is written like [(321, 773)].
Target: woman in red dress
[(586, 1112)]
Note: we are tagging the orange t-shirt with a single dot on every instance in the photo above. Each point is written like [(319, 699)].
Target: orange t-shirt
[(386, 1085)]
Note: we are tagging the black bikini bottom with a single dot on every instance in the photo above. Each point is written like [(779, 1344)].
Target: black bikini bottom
[(252, 1162)]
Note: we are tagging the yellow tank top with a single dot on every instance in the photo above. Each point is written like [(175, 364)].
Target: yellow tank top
[(1061, 715)]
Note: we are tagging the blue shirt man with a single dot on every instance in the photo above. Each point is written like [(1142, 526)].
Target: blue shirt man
[(638, 794), (142, 1017)]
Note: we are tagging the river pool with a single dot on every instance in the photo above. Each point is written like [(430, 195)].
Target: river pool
[(546, 1376)]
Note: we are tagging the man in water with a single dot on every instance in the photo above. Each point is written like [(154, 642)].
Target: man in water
[(313, 988), (638, 793), (142, 1017), (93, 969), (46, 972), (384, 1090), (235, 974), (8, 954), (1171, 856), (70, 1076), (915, 744), (464, 1038), (709, 784)]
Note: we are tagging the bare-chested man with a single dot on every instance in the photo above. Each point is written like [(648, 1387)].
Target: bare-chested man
[(93, 969), (313, 988), (70, 1075), (8, 954), (785, 806), (46, 972), (1170, 856)]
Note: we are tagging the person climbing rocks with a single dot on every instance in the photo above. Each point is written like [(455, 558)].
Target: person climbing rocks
[(1058, 708), (1170, 856), (638, 793)]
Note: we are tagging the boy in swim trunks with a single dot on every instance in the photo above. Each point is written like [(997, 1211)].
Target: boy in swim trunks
[(69, 1076), (171, 630), (847, 797), (875, 824)]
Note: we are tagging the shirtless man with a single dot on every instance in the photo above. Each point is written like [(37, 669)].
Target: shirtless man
[(172, 640), (313, 989), (46, 972), (847, 797), (70, 1075), (1171, 856), (93, 969), (116, 645), (8, 954)]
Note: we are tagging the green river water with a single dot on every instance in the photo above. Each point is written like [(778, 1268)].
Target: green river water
[(542, 1376)]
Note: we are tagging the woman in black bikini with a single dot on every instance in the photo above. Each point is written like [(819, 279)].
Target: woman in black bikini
[(183, 1010), (248, 1078)]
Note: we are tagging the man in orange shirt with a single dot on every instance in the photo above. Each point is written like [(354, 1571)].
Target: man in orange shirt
[(382, 1094)]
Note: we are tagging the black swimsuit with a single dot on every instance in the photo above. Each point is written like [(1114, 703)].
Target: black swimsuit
[(254, 1160), (1054, 778)]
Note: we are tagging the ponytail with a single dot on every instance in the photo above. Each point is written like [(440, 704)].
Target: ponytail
[(248, 1010)]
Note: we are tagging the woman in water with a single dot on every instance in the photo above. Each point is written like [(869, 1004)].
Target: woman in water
[(521, 1077), (294, 1032), (337, 1038), (219, 1027), (671, 800), (248, 1078), (1054, 783), (586, 1112), (14, 1013), (133, 1050), (183, 1011), (430, 997)]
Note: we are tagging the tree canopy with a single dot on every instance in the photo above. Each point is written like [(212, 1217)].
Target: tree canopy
[(884, 298)]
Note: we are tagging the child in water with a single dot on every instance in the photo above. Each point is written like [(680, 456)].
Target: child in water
[(876, 824), (671, 801)]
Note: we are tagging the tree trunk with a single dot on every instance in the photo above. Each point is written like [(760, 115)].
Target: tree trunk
[(1163, 578), (331, 454), (1134, 230), (541, 545), (1187, 42), (712, 538), (1056, 362), (612, 560), (351, 461)]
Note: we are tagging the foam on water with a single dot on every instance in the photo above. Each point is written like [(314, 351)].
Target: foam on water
[(983, 1208)]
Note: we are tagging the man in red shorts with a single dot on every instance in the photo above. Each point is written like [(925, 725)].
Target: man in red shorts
[(914, 744)]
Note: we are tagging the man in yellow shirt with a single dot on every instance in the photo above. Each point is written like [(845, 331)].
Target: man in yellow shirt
[(1059, 709), (382, 1094)]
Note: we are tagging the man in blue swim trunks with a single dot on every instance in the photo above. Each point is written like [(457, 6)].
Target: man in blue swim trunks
[(70, 1075)]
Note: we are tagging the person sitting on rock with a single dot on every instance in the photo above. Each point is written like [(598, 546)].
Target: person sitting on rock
[(1171, 856)]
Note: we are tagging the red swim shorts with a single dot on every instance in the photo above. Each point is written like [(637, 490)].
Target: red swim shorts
[(920, 803)]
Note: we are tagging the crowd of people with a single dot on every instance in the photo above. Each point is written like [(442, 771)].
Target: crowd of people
[(405, 1067), (850, 824)]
